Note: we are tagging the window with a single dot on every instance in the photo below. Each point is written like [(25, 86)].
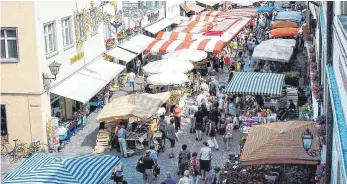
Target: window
[(3, 121), (150, 5), (343, 7), (94, 21), (9, 44), (50, 38), (67, 32), (80, 22)]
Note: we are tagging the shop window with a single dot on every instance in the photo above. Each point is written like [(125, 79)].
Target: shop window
[(94, 21), (67, 32), (3, 121), (9, 44), (150, 5), (50, 38)]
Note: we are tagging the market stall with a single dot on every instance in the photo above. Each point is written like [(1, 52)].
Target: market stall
[(284, 32), (284, 24), (280, 50), (289, 15), (266, 144), (187, 54), (136, 111), (168, 66), (177, 36)]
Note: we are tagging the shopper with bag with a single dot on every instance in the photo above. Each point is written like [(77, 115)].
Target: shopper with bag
[(148, 165), (171, 135), (183, 159), (212, 131), (117, 173), (205, 156)]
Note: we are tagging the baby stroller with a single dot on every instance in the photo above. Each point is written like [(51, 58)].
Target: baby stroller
[(158, 142)]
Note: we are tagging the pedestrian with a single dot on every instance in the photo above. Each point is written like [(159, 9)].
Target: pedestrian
[(169, 179), (194, 169), (148, 165), (131, 79), (212, 132), (138, 66), (117, 173), (205, 156), (221, 62), (204, 86), (251, 24), (153, 154), (171, 135), (199, 122), (232, 108), (213, 87), (185, 179), (227, 137), (211, 177), (216, 61), (107, 96), (122, 142), (162, 127), (238, 65), (177, 112), (183, 159)]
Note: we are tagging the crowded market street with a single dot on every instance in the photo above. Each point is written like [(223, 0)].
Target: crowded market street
[(166, 92)]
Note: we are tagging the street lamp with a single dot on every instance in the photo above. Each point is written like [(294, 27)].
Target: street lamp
[(54, 68), (307, 139)]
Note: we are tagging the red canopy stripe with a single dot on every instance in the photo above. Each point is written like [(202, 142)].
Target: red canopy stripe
[(165, 46), (203, 44), (184, 45), (150, 46)]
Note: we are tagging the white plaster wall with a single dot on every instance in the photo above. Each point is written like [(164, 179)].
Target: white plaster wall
[(173, 8), (47, 11)]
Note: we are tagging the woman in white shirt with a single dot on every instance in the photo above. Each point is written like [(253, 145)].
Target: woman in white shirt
[(205, 156)]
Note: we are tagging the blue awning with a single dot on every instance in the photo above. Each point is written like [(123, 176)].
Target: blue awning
[(254, 83), (289, 15), (263, 9), (44, 168)]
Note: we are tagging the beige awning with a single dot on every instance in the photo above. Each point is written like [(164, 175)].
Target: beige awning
[(191, 6), (185, 7), (140, 106)]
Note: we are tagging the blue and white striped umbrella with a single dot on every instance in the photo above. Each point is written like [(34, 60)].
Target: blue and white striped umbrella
[(254, 83), (82, 169)]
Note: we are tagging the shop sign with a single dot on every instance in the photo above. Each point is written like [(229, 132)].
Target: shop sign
[(153, 16), (76, 58)]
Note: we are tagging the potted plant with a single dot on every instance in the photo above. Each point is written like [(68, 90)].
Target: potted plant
[(110, 42)]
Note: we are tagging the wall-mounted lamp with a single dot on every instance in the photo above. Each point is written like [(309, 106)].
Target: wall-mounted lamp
[(54, 68)]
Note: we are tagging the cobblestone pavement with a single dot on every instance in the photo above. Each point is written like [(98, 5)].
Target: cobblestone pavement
[(84, 141)]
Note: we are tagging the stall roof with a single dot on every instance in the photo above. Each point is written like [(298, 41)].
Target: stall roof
[(209, 3), (121, 54), (280, 50), (284, 24), (263, 9), (279, 143), (137, 44), (289, 15), (254, 83), (281, 32), (86, 83), (177, 36), (160, 25), (141, 106)]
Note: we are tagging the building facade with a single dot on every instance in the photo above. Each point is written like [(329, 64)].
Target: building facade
[(71, 33), (331, 55)]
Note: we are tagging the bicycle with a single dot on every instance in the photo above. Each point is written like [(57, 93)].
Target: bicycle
[(18, 152), (36, 146)]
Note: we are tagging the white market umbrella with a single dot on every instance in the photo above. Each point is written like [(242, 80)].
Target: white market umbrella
[(168, 66), (167, 79), (187, 54), (280, 50)]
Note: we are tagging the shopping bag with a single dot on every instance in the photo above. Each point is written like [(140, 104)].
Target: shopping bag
[(210, 143)]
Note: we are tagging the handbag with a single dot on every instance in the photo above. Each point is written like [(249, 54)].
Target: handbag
[(210, 143)]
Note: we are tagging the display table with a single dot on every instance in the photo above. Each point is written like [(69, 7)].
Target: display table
[(273, 104), (135, 140)]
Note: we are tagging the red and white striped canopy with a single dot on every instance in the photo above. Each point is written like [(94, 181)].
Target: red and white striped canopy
[(193, 29), (239, 13), (204, 18), (177, 36), (197, 24), (212, 13), (164, 46)]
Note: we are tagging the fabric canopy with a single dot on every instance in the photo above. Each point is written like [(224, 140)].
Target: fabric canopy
[(168, 66), (191, 6), (86, 83), (179, 19), (187, 54), (193, 29), (254, 83), (137, 44), (121, 54), (284, 24), (203, 18), (248, 12), (221, 27), (280, 32), (289, 15), (279, 143), (164, 46), (280, 50), (263, 9), (158, 26), (167, 79), (177, 36), (209, 3), (196, 24), (48, 169), (211, 13), (141, 106)]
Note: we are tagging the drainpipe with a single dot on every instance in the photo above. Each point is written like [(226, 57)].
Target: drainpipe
[(329, 119)]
